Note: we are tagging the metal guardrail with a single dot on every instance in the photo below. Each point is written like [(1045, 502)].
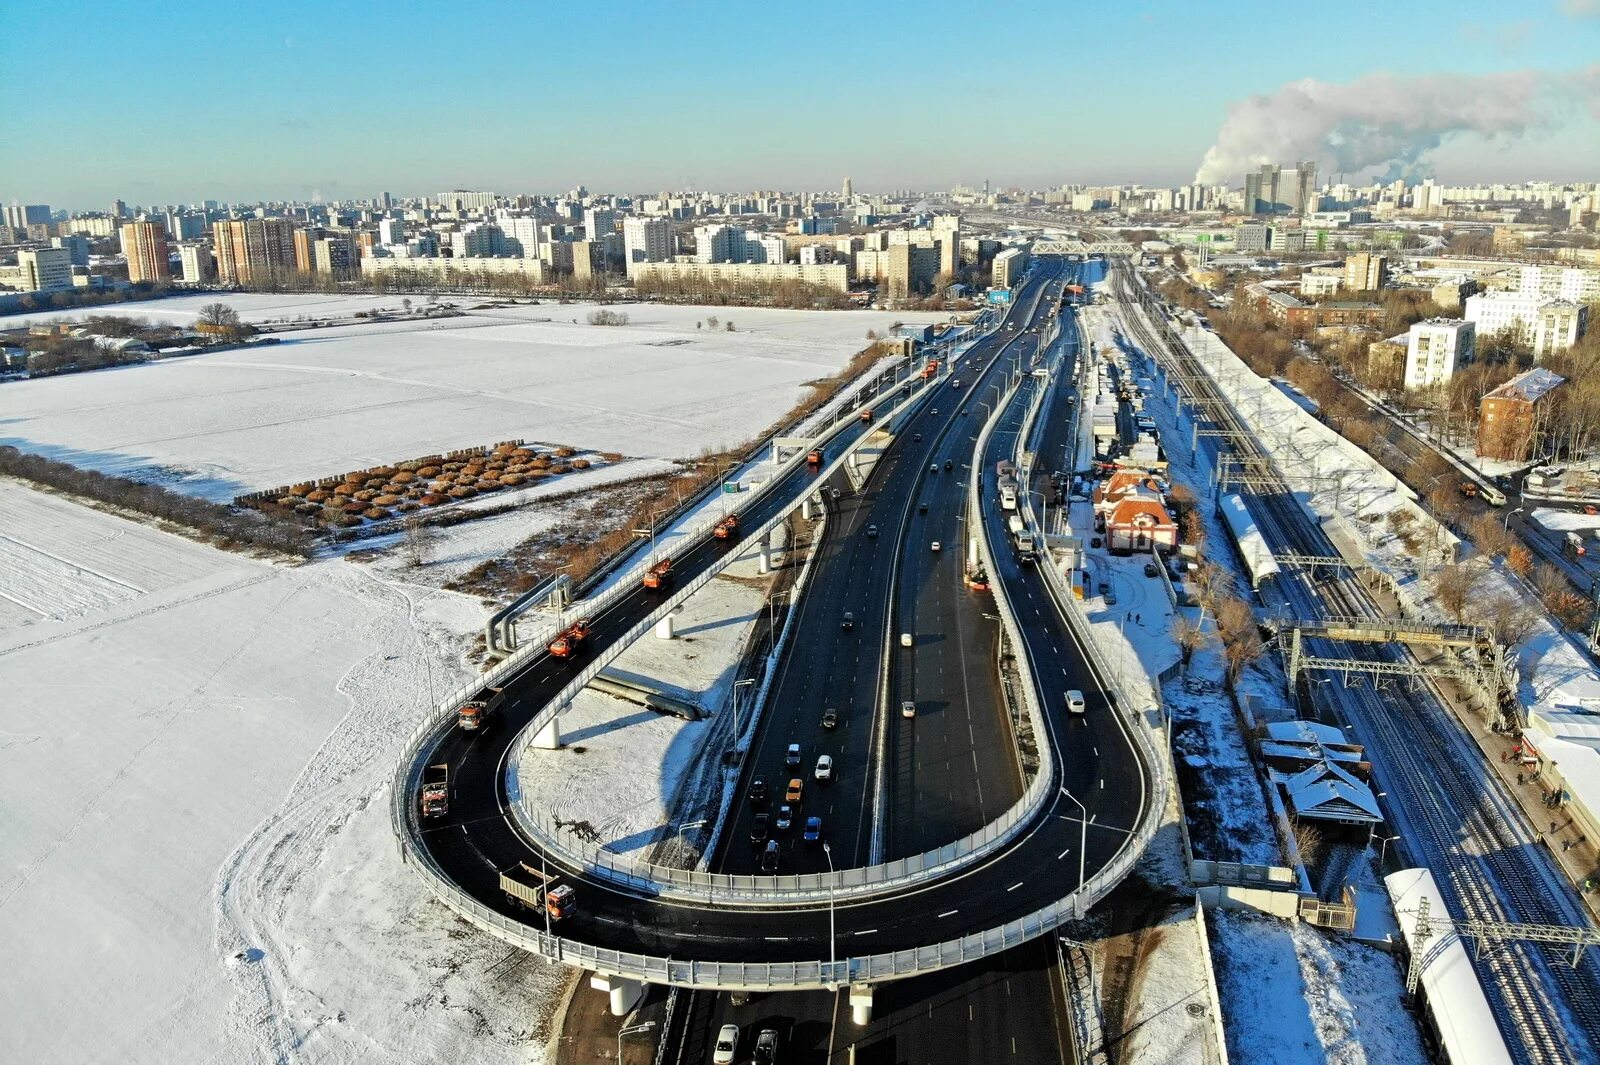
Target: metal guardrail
[(744, 975)]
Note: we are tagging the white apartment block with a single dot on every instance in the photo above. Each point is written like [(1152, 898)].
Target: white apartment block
[(1435, 348), (646, 240), (445, 268), (834, 276), (392, 231), (1313, 283), (1576, 283), (1008, 267), (522, 236), (479, 240), (196, 263), (718, 244), (599, 222), (1545, 323)]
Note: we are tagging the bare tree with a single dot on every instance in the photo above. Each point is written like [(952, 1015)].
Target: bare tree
[(1190, 636), (417, 541), (1453, 586), (1565, 605)]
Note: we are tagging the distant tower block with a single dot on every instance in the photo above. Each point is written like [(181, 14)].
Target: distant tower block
[(846, 191)]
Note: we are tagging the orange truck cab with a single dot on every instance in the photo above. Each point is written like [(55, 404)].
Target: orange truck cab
[(568, 643), (727, 527), (657, 576)]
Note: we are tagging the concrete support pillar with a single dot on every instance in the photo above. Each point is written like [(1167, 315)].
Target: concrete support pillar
[(805, 508), (764, 554), (861, 1003), (664, 629), (549, 737), (625, 993)]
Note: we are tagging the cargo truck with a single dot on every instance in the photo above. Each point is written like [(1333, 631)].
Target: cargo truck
[(930, 370), (435, 797), (658, 575), (1008, 494), (727, 528), (1025, 548), (814, 457), (472, 716), (527, 887)]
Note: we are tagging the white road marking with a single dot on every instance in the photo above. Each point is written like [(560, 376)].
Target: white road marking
[(949, 913), (1014, 887)]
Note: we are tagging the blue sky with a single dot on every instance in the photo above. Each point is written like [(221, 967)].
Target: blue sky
[(178, 101)]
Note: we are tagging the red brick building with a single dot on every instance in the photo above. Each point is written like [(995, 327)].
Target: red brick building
[(1508, 417)]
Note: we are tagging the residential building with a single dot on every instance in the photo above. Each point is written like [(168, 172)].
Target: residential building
[(1509, 417), (599, 222), (250, 250), (480, 240), (1365, 271), (392, 231), (646, 240), (21, 216), (1320, 282), (521, 236), (1575, 283), (1386, 361), (846, 191), (335, 255), (469, 271), (305, 254), (1281, 190), (1434, 349), (195, 261), (1545, 325), (145, 245), (44, 269), (77, 246), (1009, 266), (833, 276), (910, 269)]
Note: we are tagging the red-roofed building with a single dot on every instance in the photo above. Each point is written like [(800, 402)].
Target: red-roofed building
[(1121, 485), (1138, 523)]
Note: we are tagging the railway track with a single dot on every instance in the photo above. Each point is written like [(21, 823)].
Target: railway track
[(1451, 812)]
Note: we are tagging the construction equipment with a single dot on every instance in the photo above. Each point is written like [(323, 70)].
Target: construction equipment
[(814, 457), (526, 886), (866, 415), (727, 528), (931, 369), (435, 797), (658, 575), (570, 642)]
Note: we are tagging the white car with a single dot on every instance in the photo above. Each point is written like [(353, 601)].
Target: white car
[(727, 1045), (908, 709), (1075, 704), (824, 770), (905, 639), (936, 545)]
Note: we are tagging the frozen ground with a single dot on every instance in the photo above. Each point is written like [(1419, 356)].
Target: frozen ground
[(197, 864), (1169, 1013), (325, 401), (1296, 996)]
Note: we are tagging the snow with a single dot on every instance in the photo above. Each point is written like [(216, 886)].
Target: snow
[(218, 882), (325, 401), (1293, 994), (629, 773), (1168, 1018)]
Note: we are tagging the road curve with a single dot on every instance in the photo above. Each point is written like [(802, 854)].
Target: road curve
[(1096, 763)]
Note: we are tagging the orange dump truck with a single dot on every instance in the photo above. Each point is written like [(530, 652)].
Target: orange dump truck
[(727, 528), (526, 886), (931, 369), (657, 576), (568, 643)]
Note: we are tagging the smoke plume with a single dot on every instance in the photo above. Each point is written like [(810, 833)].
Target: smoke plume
[(1378, 124)]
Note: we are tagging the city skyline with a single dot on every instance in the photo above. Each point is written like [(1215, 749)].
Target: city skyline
[(810, 105)]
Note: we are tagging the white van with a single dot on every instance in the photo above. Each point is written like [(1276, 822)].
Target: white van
[(1074, 701), (905, 639)]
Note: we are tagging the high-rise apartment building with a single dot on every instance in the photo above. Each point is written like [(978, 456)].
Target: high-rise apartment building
[(305, 248), (392, 230), (599, 222), (522, 236), (1278, 189), (76, 244), (45, 269), (1365, 271), (251, 250), (195, 261), (846, 192), (336, 255), (646, 240), (145, 245), (21, 216)]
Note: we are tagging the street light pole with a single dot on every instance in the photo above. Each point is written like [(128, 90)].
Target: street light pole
[(688, 825), (833, 933), (1083, 837), (635, 1030), (739, 688)]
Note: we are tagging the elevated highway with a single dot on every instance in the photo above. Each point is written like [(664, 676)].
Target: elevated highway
[(1095, 789)]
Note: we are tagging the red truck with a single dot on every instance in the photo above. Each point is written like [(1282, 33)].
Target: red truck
[(726, 528), (930, 370)]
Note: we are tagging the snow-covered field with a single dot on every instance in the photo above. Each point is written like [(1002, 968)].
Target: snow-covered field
[(325, 401), (196, 863)]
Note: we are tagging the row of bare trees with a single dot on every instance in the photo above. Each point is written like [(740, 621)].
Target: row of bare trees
[(224, 525)]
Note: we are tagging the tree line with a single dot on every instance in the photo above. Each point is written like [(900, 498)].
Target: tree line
[(223, 525)]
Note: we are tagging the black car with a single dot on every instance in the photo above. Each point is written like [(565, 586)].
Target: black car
[(758, 829), (1150, 569), (922, 508), (758, 792), (949, 464), (830, 718)]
